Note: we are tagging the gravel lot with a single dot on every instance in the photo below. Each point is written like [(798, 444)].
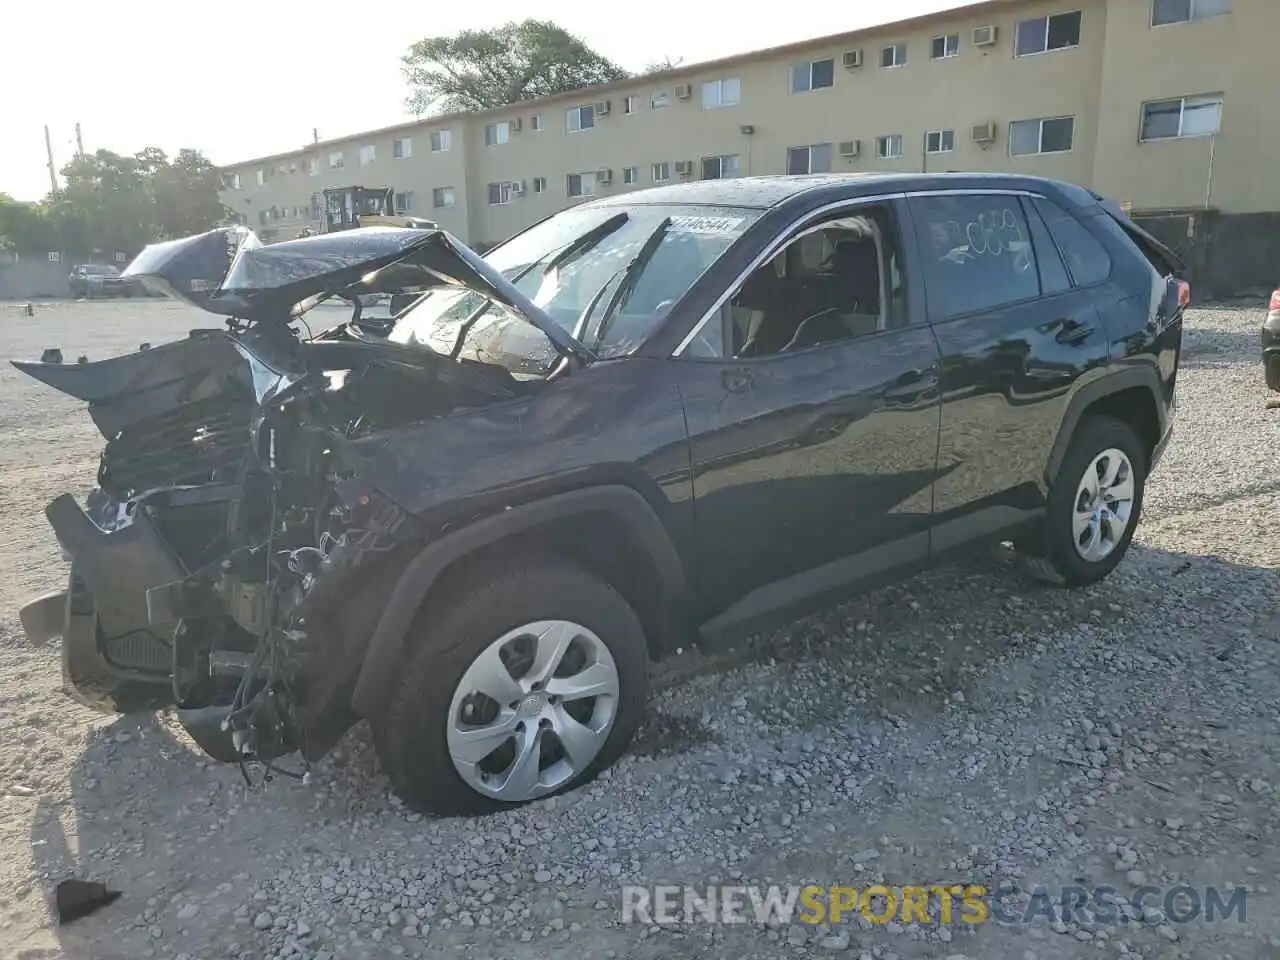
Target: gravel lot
[(969, 726)]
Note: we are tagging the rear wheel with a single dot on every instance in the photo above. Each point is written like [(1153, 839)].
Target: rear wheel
[(1094, 504), (1272, 368), (529, 681)]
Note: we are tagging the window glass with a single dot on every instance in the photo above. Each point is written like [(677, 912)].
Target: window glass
[(1086, 258), (978, 253), (826, 286), (681, 243), (1053, 275)]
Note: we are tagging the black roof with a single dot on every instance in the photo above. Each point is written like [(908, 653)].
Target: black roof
[(764, 192)]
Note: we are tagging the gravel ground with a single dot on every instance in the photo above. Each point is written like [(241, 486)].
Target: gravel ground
[(968, 726)]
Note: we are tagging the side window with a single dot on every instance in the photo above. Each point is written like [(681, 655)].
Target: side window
[(1087, 260), (838, 280), (977, 253), (1053, 275)]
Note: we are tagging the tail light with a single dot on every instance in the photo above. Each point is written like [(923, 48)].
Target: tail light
[(1275, 301), (1184, 295)]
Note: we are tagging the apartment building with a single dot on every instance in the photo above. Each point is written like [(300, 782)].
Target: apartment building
[(1157, 103)]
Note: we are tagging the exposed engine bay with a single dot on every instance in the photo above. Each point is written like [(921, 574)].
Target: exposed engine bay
[(237, 524)]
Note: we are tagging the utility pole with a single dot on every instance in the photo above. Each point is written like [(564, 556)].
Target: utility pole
[(53, 171), (79, 142)]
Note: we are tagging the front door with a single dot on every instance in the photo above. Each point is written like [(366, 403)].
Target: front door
[(812, 410)]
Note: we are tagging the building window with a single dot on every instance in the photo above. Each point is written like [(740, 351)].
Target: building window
[(894, 55), (367, 154), (581, 118), (1030, 137), (404, 202), (661, 172), (441, 141), (536, 124), (581, 184), (628, 104), (442, 198), (721, 93), (539, 184), (720, 168), (317, 206), (815, 158), (631, 175), (499, 193), (401, 148), (497, 133), (1042, 34), (262, 177), (889, 147), (293, 166), (1184, 11), (1185, 117), (939, 141), (313, 167), (940, 48), (659, 100), (815, 75), (235, 181), (337, 161)]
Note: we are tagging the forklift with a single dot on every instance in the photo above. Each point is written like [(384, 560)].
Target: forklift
[(346, 208)]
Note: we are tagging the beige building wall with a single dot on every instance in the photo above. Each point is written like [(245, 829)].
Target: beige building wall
[(1120, 62), (1231, 54)]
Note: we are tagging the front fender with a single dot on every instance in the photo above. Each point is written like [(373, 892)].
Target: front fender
[(383, 656)]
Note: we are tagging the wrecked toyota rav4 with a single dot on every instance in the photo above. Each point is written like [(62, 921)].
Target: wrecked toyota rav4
[(646, 421)]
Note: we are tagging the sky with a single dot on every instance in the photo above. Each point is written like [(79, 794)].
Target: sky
[(250, 78)]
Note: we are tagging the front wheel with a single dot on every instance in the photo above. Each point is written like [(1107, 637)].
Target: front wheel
[(1095, 503), (527, 682)]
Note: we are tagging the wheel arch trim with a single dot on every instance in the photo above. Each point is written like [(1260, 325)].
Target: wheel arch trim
[(1113, 382), (381, 659)]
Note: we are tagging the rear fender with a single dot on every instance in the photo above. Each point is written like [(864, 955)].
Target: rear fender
[(383, 657)]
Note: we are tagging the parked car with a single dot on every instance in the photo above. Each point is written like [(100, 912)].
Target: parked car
[(672, 416), (90, 280), (1271, 342)]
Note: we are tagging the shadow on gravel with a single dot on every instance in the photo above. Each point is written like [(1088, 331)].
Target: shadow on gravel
[(147, 818), (109, 830), (1207, 347)]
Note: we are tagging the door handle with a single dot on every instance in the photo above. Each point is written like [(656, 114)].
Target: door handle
[(910, 384), (1073, 331), (737, 379)]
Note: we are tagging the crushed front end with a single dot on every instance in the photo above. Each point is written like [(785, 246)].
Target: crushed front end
[(236, 554)]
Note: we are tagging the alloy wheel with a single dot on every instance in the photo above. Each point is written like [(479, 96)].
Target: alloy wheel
[(533, 710), (1103, 505)]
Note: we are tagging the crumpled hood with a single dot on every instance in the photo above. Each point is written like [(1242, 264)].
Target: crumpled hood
[(230, 272)]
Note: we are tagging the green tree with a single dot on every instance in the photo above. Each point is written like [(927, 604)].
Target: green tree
[(483, 69), (25, 227), (112, 203)]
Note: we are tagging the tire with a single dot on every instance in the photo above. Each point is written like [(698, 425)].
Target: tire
[(448, 640), (1057, 550), (1272, 368)]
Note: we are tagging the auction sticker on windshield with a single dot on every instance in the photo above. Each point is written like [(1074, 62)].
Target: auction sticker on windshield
[(711, 225)]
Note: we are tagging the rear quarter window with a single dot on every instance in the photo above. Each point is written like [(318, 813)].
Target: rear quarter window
[(1087, 260)]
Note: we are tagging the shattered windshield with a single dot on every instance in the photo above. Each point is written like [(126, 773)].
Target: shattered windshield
[(606, 275)]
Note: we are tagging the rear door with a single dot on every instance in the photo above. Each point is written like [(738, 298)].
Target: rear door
[(1016, 334)]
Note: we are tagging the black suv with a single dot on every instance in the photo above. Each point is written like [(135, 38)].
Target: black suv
[(669, 416)]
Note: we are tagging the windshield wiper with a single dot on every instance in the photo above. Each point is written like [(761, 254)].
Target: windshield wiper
[(585, 242), (631, 274)]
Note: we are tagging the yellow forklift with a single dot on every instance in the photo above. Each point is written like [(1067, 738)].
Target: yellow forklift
[(348, 207)]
